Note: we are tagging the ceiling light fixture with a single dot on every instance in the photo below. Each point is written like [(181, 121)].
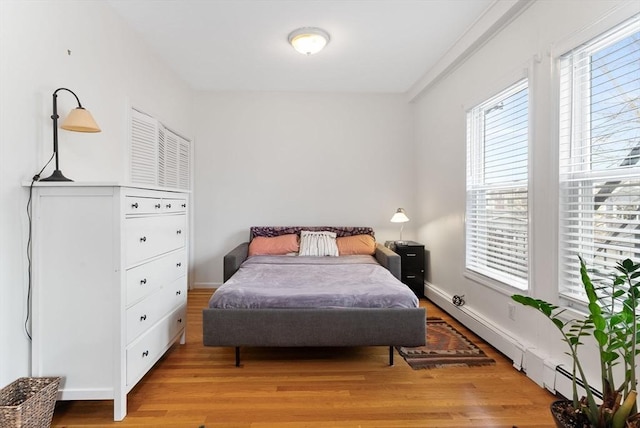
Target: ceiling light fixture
[(309, 40)]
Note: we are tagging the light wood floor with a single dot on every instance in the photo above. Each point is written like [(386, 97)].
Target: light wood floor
[(196, 386)]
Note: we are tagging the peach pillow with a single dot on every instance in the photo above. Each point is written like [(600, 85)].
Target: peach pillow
[(278, 245), (357, 244)]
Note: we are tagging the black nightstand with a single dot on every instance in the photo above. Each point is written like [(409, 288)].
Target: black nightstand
[(412, 265)]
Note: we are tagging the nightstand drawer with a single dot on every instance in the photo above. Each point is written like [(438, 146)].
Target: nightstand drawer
[(413, 263), (412, 277)]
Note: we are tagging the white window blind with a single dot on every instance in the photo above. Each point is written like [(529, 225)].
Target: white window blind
[(599, 156), (497, 219)]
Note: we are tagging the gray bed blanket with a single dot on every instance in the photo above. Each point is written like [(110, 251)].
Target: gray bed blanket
[(312, 282)]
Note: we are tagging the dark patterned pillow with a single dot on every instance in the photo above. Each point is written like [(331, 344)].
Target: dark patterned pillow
[(340, 231)]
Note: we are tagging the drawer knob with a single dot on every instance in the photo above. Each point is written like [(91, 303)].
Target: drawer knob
[(143, 317), (411, 276), (184, 205), (157, 205), (178, 264), (143, 239), (134, 205), (411, 254), (145, 354), (178, 231), (179, 320), (168, 205), (178, 293), (143, 281)]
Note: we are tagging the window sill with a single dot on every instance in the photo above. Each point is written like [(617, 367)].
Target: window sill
[(500, 287)]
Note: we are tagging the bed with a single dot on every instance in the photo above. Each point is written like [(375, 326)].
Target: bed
[(329, 313)]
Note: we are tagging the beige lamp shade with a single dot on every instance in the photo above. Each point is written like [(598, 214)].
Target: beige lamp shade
[(400, 216), (80, 120)]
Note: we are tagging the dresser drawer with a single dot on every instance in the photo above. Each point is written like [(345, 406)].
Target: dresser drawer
[(142, 205), (177, 321), (141, 316), (146, 350), (174, 294), (146, 237), (174, 205), (147, 312), (143, 279)]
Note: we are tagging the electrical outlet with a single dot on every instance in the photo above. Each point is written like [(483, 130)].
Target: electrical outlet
[(512, 311)]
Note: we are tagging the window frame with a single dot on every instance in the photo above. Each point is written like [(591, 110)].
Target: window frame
[(499, 281), (599, 39)]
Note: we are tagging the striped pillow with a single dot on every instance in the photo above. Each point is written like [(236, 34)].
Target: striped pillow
[(318, 243)]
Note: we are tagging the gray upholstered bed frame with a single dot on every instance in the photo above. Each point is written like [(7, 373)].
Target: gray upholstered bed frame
[(313, 327)]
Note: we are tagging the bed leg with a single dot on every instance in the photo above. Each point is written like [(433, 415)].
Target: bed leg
[(237, 356), (390, 355)]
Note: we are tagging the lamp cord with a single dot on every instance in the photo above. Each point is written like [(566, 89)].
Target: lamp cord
[(29, 216)]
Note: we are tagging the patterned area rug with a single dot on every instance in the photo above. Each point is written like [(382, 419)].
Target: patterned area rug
[(446, 347)]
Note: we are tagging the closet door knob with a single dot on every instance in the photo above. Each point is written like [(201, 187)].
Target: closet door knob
[(145, 354), (178, 232), (143, 317), (143, 281), (178, 264), (178, 293), (143, 239)]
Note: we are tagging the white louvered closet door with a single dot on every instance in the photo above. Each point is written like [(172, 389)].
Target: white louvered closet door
[(168, 159), (162, 149), (143, 149), (184, 164), (158, 156)]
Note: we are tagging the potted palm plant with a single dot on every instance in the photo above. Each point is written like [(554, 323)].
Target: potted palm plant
[(612, 320)]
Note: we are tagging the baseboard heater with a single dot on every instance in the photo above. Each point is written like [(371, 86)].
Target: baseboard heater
[(567, 374)]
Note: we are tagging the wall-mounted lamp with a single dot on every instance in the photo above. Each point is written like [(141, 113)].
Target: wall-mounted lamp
[(309, 40), (78, 120), (400, 217)]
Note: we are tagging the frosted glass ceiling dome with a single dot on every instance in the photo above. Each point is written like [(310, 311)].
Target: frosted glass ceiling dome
[(309, 40)]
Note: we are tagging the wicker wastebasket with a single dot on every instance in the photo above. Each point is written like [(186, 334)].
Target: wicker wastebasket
[(28, 402)]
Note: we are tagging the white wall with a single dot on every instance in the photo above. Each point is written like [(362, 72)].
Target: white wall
[(108, 67), (297, 159), (440, 136), (275, 158)]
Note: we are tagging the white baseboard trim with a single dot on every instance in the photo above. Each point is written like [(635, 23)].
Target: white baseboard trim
[(206, 284), (494, 335)]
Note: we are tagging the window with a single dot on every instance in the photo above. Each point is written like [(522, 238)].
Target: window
[(599, 155), (497, 220)]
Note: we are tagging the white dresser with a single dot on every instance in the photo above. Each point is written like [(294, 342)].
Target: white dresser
[(109, 285)]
